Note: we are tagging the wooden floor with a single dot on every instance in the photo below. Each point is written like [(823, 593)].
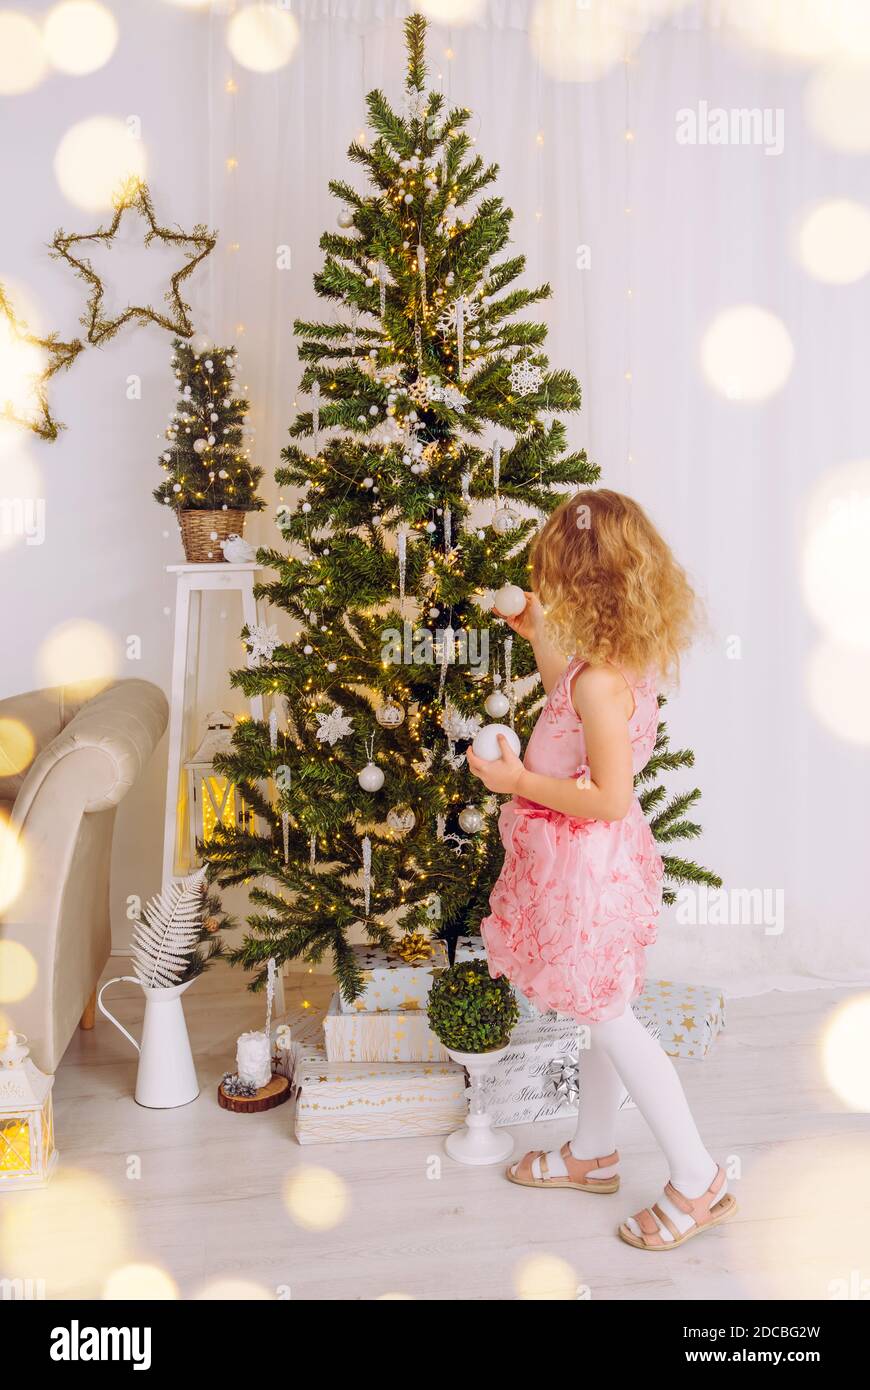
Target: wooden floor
[(201, 1193)]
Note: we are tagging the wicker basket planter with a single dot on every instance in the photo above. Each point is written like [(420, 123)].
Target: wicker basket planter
[(202, 533)]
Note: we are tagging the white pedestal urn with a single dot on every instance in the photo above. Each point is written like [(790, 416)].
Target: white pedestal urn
[(477, 1142)]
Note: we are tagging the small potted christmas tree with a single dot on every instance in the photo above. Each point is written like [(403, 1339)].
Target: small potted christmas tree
[(473, 1015), (210, 480)]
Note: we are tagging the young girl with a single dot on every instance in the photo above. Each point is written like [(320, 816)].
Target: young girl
[(579, 894)]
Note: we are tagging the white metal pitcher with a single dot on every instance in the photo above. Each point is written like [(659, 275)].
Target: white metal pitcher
[(166, 1075)]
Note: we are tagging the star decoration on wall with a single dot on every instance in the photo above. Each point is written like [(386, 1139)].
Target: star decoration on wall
[(56, 356), (196, 245)]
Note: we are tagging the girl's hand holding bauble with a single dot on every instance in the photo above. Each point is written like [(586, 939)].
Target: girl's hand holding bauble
[(502, 771), (527, 622)]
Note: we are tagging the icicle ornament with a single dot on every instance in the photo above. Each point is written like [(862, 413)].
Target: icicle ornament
[(460, 335), (273, 730), (271, 981), (402, 558), (315, 415), (285, 835), (312, 851), (367, 873), (509, 685), (418, 346), (496, 466), (382, 285), (466, 485), (421, 267), (447, 653), (448, 529)]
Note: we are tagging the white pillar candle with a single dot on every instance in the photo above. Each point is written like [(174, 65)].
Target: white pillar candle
[(253, 1059)]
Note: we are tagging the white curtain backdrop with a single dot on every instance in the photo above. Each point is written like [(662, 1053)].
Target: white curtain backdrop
[(708, 227), (729, 482)]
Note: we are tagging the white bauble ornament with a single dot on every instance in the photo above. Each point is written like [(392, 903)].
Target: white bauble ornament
[(497, 704), (345, 218), (510, 600), (470, 820), (401, 819), (371, 778), (199, 446), (200, 343), (486, 744), (390, 715), (503, 521)]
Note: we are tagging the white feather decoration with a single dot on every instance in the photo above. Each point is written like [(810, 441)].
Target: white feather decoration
[(164, 942)]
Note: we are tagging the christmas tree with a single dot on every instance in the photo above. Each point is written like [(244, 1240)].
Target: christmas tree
[(207, 461), (436, 450)]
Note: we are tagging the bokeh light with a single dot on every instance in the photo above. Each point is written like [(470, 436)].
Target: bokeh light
[(80, 36), (79, 653), (833, 242), (837, 681), (17, 747), (837, 106), (579, 44), (234, 1291), (835, 561), (22, 56), (800, 31), (72, 1234), (746, 353), (18, 969), (545, 1277), (13, 869), (262, 37), (140, 1281), (316, 1198), (845, 1052), (452, 11), (95, 158)]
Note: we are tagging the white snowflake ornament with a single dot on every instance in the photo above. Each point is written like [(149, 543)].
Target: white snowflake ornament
[(526, 378), (334, 725), (261, 642)]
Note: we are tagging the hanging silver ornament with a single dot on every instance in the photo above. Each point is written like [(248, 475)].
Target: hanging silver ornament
[(367, 872), (471, 820), (345, 218), (401, 820), (504, 521), (447, 654), (390, 714), (466, 484), (497, 704)]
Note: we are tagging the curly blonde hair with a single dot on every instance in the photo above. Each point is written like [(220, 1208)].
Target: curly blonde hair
[(610, 586)]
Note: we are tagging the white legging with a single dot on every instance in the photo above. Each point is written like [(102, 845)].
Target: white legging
[(622, 1052)]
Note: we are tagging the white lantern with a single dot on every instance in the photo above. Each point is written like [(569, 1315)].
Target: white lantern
[(27, 1152), (212, 798)]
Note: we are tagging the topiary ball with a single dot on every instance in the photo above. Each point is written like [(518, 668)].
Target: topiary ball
[(469, 1011)]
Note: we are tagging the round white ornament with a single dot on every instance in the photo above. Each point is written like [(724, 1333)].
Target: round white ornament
[(471, 820), (345, 218), (371, 778), (503, 521), (486, 744), (199, 446), (510, 600), (497, 705)]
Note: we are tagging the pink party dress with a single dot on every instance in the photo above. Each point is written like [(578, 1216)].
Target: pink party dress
[(577, 900)]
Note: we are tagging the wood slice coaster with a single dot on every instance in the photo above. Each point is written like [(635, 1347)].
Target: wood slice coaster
[(275, 1092)]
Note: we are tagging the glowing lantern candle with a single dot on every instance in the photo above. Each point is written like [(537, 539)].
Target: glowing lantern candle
[(212, 798), (27, 1152)]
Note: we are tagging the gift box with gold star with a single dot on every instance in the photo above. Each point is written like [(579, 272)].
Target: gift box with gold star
[(391, 983), (401, 1035), (690, 1016), (341, 1101)]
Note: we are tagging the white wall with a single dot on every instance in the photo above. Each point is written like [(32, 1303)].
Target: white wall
[(783, 802)]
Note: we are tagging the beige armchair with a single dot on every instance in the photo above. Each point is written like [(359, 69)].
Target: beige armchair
[(89, 754)]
